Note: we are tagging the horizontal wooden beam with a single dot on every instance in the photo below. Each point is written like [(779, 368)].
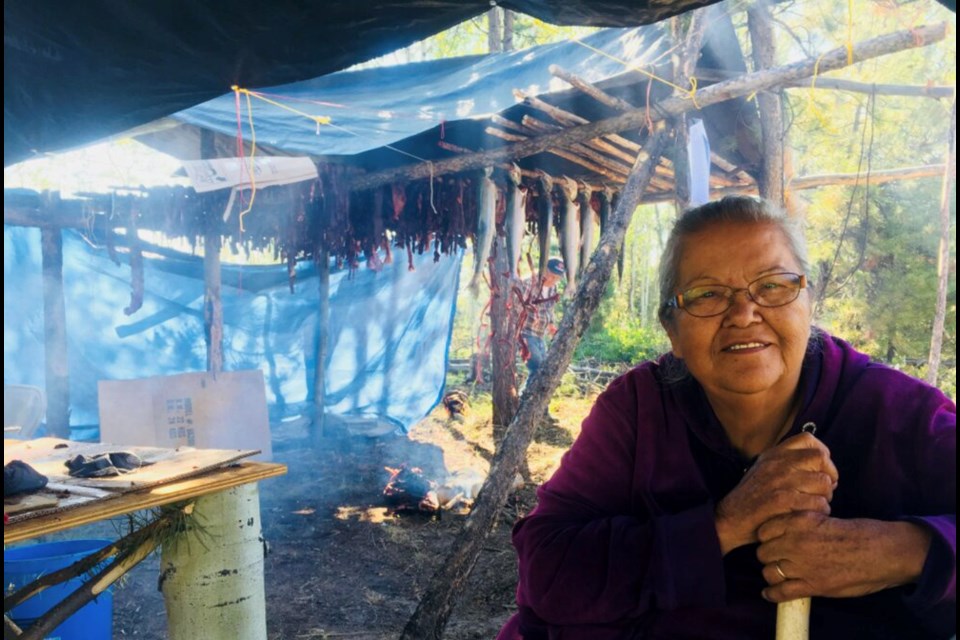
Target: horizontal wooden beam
[(838, 84)]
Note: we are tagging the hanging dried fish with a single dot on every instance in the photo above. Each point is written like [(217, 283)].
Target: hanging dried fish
[(516, 218), (544, 220), (614, 200), (569, 215), (587, 224), (486, 227)]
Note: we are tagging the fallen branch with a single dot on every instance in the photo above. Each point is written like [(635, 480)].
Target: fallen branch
[(130, 551)]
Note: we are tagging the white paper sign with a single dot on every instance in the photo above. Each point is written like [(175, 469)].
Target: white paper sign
[(245, 173)]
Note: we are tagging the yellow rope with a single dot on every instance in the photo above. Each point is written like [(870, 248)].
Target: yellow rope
[(251, 168), (849, 32), (319, 120), (690, 93), (817, 112)]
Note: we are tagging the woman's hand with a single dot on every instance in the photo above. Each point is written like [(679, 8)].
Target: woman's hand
[(810, 554), (796, 475)]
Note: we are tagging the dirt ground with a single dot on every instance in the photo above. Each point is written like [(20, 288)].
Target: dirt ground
[(340, 563)]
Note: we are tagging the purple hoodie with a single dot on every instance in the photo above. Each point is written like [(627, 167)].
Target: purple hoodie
[(622, 543)]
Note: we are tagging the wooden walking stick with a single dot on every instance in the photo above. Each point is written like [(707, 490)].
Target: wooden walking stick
[(793, 619), (793, 616)]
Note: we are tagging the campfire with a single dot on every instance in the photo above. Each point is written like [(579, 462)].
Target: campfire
[(408, 491)]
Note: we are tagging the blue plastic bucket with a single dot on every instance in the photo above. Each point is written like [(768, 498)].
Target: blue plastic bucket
[(23, 565)]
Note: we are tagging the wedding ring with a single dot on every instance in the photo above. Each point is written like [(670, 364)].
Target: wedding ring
[(776, 566)]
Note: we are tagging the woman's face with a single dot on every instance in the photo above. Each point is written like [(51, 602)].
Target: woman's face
[(748, 349)]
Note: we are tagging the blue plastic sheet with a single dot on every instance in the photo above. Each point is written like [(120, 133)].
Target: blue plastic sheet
[(371, 108), (389, 331)]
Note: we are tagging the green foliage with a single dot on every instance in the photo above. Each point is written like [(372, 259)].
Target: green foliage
[(623, 342), (874, 246), (616, 335)]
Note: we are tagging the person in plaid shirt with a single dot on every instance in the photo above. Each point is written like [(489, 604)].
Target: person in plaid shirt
[(539, 314)]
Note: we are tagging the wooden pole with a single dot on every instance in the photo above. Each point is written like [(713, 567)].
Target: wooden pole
[(823, 180), (431, 615), (569, 156), (323, 340), (212, 280), (793, 620), (569, 119), (720, 92), (760, 25), (837, 84), (57, 369), (947, 197), (212, 572), (503, 345)]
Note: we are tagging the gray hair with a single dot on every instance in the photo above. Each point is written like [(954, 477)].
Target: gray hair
[(737, 209)]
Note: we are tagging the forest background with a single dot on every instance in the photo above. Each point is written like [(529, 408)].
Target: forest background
[(874, 245), (341, 565)]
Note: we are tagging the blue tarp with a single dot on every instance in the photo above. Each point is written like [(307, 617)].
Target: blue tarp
[(376, 107), (389, 331)]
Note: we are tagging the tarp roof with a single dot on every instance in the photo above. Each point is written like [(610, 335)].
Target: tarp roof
[(76, 72), (376, 107), (388, 116)]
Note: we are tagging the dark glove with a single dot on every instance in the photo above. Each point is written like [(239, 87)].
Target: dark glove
[(103, 465), (19, 477)]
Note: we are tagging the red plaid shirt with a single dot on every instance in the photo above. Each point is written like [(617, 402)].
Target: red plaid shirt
[(539, 309)]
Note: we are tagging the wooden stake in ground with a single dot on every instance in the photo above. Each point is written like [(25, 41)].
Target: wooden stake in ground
[(430, 618)]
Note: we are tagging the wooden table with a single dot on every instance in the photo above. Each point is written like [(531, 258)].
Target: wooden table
[(213, 586), (210, 482)]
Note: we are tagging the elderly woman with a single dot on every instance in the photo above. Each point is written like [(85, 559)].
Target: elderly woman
[(760, 461)]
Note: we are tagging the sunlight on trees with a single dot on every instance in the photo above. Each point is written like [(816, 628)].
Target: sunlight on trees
[(874, 246)]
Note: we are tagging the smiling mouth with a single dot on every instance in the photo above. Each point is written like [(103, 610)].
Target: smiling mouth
[(745, 346)]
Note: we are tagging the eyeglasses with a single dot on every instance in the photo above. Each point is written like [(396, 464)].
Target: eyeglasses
[(773, 290)]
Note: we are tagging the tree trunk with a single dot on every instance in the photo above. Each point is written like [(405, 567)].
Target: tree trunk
[(430, 618), (503, 346), (507, 30), (211, 574), (687, 51), (494, 37), (212, 304), (943, 262), (772, 176), (57, 368)]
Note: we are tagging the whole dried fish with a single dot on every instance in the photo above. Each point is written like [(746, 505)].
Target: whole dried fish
[(516, 218), (486, 227)]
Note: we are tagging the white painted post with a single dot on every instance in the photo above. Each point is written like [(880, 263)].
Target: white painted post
[(212, 574)]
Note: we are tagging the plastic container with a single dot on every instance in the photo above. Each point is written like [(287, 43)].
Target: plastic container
[(23, 565)]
